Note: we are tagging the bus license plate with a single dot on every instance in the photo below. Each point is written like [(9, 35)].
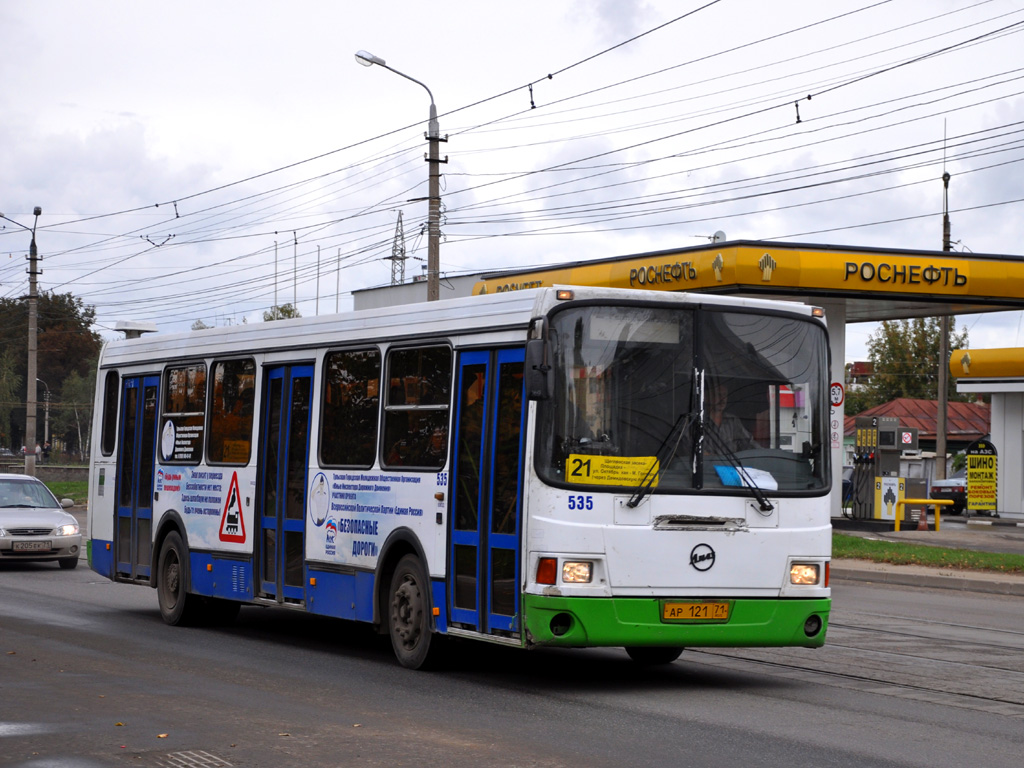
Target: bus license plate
[(696, 611), (31, 546)]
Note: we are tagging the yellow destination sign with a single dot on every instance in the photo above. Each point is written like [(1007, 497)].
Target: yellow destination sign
[(610, 470)]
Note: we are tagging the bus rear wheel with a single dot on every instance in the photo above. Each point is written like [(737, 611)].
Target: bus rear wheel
[(651, 657), (177, 606), (409, 615)]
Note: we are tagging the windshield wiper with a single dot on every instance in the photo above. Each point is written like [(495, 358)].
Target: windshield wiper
[(649, 480), (722, 448)]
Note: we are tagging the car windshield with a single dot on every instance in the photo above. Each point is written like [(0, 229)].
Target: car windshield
[(25, 493)]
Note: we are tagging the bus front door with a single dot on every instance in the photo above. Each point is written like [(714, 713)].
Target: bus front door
[(284, 457), (134, 537), (483, 578)]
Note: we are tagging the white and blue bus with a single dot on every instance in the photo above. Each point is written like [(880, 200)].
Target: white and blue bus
[(568, 467)]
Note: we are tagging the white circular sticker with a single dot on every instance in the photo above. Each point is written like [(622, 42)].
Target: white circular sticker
[(167, 441)]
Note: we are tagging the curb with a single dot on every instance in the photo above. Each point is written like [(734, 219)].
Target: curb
[(972, 523), (936, 579)]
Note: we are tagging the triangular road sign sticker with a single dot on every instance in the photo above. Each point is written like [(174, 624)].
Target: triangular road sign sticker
[(232, 522)]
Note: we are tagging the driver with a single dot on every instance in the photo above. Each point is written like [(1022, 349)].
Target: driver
[(727, 427)]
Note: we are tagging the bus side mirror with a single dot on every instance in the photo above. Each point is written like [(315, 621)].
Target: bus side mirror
[(538, 372)]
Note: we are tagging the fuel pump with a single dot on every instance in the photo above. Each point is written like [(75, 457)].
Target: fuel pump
[(877, 484)]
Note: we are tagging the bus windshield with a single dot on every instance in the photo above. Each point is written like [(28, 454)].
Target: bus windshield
[(687, 400)]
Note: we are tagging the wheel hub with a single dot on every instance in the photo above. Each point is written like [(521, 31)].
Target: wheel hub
[(406, 609)]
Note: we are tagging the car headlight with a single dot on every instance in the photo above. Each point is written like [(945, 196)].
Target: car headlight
[(68, 530)]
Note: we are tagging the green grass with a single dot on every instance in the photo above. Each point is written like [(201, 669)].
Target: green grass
[(76, 490), (919, 554)]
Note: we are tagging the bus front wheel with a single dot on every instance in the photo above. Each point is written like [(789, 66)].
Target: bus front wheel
[(650, 657), (177, 606), (409, 614)]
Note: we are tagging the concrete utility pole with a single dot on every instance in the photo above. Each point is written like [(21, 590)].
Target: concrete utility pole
[(33, 319), (434, 181), (434, 208), (943, 408)]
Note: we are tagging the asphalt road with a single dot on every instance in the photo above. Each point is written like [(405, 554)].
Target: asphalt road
[(90, 676)]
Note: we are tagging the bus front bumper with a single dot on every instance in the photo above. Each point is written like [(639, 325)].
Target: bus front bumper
[(583, 622)]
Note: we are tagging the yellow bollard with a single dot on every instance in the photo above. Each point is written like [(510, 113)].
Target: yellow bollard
[(937, 503)]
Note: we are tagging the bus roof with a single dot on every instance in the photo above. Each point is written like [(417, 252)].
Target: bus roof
[(511, 310)]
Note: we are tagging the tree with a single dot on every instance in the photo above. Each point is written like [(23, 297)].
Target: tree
[(66, 343), (280, 312), (11, 394), (905, 359), (857, 397), (72, 420)]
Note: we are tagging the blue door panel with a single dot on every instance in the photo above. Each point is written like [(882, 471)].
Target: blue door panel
[(483, 573), (284, 462)]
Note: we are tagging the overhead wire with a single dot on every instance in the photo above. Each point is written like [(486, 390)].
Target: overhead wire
[(243, 220)]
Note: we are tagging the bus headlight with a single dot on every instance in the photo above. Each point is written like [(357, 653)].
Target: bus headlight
[(804, 574), (576, 572)]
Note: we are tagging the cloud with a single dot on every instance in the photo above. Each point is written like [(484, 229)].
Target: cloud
[(613, 21)]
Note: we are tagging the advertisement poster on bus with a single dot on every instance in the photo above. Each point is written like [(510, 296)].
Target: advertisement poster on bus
[(351, 514), (210, 500)]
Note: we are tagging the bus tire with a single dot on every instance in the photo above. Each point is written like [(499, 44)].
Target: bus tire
[(409, 615), (647, 656), (177, 606)]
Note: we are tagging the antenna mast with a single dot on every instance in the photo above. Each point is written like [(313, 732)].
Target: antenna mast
[(398, 254)]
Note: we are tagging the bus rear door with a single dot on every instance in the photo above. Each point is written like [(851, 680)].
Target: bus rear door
[(483, 577)]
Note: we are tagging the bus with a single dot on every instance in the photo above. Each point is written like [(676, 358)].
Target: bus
[(563, 467)]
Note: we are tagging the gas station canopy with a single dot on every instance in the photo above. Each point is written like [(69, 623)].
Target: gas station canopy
[(873, 283)]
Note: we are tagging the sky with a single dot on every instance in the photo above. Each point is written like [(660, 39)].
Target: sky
[(207, 160)]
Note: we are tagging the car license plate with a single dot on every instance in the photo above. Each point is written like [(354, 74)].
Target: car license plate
[(31, 546), (698, 611)]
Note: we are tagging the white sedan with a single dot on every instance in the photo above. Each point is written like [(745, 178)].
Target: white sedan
[(34, 525)]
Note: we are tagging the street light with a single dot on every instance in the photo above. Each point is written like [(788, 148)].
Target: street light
[(30, 403), (434, 187)]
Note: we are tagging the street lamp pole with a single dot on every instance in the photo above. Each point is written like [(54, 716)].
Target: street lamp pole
[(434, 181), (33, 313)]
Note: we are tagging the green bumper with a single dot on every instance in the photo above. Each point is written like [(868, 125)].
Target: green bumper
[(581, 622)]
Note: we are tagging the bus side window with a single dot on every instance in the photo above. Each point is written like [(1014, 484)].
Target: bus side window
[(110, 392), (416, 411), (184, 415), (231, 411), (348, 426)]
